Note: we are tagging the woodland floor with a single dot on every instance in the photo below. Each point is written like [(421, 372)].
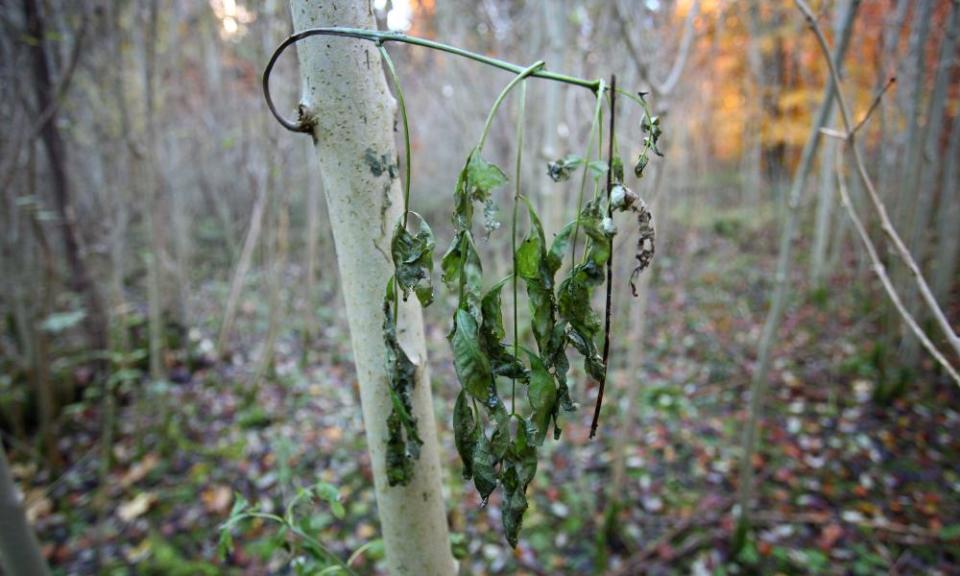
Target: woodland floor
[(850, 484)]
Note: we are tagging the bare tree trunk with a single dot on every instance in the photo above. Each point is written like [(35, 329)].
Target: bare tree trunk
[(929, 163), (80, 279), (151, 212), (354, 118), (948, 240), (19, 550), (826, 193), (754, 156), (781, 290), (280, 224), (243, 266)]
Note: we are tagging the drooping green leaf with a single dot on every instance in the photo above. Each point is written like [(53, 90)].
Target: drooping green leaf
[(462, 271), (466, 432), (535, 269), (482, 177), (575, 292), (472, 366), (528, 257), (542, 394), (452, 262), (502, 361)]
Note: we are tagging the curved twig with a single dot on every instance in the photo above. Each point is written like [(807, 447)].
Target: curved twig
[(380, 38)]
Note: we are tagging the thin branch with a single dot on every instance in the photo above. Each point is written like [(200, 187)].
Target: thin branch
[(608, 312), (874, 104), (881, 272), (380, 38), (886, 224), (686, 42)]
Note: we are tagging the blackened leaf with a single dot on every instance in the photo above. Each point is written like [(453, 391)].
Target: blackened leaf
[(399, 466), (593, 362), (646, 242), (473, 367), (403, 441), (466, 432), (524, 454), (514, 505), (641, 165), (561, 169), (413, 260), (519, 470), (484, 468), (500, 440)]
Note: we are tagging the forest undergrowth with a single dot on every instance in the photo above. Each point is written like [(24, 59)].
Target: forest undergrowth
[(857, 465)]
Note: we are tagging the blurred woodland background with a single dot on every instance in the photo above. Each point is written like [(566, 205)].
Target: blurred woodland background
[(173, 336)]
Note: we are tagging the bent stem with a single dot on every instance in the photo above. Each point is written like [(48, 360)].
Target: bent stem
[(407, 170), (608, 312), (503, 94), (395, 78), (513, 237), (594, 129), (380, 38)]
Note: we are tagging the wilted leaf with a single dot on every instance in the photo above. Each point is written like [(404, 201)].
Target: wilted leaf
[(466, 432), (413, 261), (472, 366), (403, 442)]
